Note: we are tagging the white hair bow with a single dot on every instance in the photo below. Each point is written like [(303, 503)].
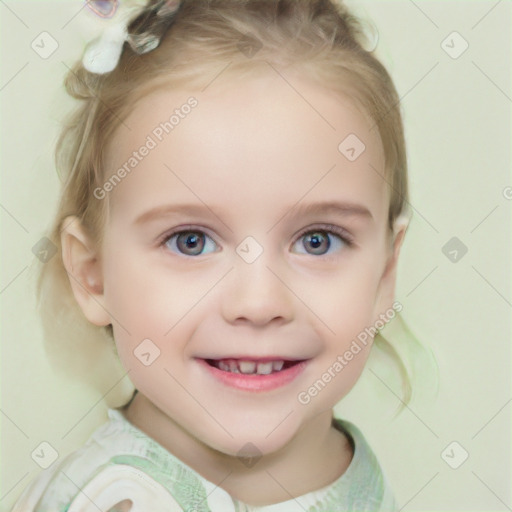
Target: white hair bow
[(102, 55)]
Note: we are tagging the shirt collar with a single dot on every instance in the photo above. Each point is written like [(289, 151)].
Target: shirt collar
[(362, 482)]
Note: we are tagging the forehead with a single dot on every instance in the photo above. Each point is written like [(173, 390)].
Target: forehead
[(247, 142)]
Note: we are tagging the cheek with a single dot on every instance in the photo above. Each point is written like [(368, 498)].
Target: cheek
[(147, 299), (154, 310), (346, 299), (346, 313), (345, 305)]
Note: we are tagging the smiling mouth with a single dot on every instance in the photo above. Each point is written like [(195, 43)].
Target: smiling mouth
[(248, 367)]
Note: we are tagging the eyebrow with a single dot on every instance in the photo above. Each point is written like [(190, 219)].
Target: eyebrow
[(346, 209), (160, 211), (340, 208)]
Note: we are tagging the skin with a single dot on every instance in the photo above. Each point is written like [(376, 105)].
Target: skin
[(253, 150)]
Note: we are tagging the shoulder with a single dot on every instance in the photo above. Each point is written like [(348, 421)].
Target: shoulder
[(365, 481), (29, 498), (54, 488), (117, 463)]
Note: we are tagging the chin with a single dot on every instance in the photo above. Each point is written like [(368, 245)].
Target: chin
[(252, 439)]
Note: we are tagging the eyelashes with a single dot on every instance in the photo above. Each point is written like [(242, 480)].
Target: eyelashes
[(339, 234), (195, 237), (193, 241)]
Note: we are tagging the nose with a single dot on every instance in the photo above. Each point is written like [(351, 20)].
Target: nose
[(256, 293)]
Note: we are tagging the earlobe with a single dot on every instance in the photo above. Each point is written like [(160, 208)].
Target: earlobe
[(82, 265)]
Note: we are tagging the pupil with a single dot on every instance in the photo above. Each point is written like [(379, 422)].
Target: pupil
[(190, 242), (192, 239), (317, 240)]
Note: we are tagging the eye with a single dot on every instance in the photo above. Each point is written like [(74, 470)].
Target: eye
[(190, 242), (317, 242)]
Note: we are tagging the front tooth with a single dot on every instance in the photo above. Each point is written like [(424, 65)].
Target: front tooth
[(264, 368), (233, 366), (247, 366), (223, 366), (277, 365)]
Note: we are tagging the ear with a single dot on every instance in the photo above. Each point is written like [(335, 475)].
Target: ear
[(82, 264), (385, 296)]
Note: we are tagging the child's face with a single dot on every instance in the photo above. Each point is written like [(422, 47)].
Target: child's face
[(243, 163)]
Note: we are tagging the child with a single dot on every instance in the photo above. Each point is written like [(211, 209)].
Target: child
[(232, 215)]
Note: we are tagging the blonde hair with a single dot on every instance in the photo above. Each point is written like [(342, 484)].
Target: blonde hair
[(321, 37)]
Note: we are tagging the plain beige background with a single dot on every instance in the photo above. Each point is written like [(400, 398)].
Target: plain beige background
[(457, 117)]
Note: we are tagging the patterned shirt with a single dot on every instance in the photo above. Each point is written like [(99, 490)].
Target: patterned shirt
[(120, 462)]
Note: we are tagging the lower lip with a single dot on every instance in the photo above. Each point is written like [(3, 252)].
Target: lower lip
[(253, 382)]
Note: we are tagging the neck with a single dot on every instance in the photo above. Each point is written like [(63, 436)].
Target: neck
[(314, 458)]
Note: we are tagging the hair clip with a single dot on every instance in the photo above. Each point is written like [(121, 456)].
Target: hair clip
[(103, 8), (141, 25)]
